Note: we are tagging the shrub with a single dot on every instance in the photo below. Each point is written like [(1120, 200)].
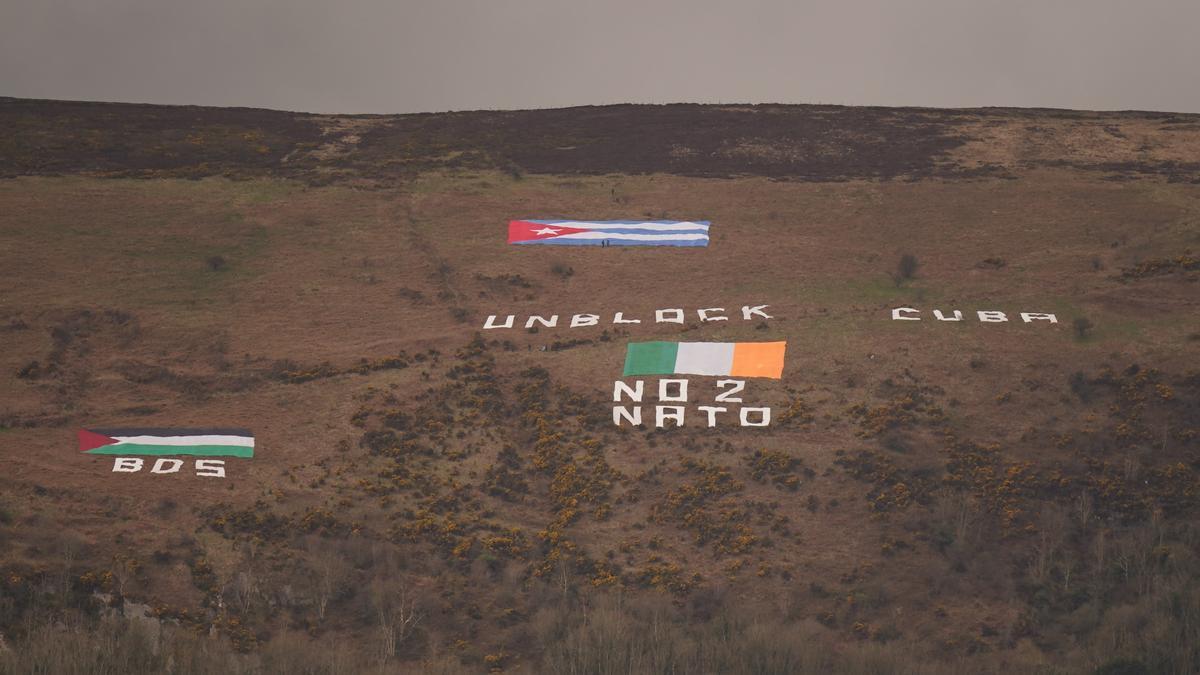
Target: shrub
[(774, 466), (1123, 667), (896, 443), (1083, 326), (906, 269), (216, 263), (414, 296), (378, 441), (1081, 386), (30, 371), (165, 507)]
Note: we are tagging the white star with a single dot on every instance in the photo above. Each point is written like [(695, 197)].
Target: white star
[(546, 230)]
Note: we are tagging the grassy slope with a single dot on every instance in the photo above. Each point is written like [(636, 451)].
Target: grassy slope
[(107, 286)]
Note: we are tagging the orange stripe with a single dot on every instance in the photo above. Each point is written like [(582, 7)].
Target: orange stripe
[(758, 359)]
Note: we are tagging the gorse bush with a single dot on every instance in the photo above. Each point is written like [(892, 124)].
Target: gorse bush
[(527, 542)]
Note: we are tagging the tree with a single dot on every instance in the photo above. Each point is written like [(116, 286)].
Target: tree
[(397, 612), (245, 590), (330, 574)]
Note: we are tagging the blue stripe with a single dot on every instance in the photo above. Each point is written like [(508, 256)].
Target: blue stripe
[(627, 230), (616, 222), (615, 242)]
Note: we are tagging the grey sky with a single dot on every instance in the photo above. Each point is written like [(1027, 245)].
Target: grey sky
[(355, 56)]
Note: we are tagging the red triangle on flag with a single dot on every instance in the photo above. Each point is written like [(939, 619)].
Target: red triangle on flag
[(89, 440), (524, 230)]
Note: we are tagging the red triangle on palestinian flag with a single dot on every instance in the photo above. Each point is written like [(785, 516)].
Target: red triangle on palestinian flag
[(89, 440), (526, 230)]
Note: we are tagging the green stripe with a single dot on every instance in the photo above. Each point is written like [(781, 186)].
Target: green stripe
[(651, 358), (146, 449)]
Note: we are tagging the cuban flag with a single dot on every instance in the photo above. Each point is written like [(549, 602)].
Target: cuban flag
[(609, 232)]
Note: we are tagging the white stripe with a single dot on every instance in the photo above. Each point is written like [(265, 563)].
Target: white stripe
[(656, 227), (188, 440), (636, 237), (704, 358)]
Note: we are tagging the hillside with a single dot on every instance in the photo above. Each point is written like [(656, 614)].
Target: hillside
[(431, 495)]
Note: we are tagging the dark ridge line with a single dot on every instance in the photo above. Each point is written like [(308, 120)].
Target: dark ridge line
[(601, 106)]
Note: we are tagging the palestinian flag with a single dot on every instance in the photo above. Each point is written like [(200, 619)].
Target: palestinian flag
[(142, 441), (735, 359)]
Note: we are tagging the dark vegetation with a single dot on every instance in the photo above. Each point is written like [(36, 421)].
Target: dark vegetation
[(1082, 326), (780, 141), (500, 479), (55, 137), (1161, 266), (906, 269)]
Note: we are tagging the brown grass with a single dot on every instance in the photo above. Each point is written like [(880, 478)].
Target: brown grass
[(896, 517)]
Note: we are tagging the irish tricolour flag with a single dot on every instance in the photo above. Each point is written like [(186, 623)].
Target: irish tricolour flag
[(204, 442), (735, 359), (609, 232)]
